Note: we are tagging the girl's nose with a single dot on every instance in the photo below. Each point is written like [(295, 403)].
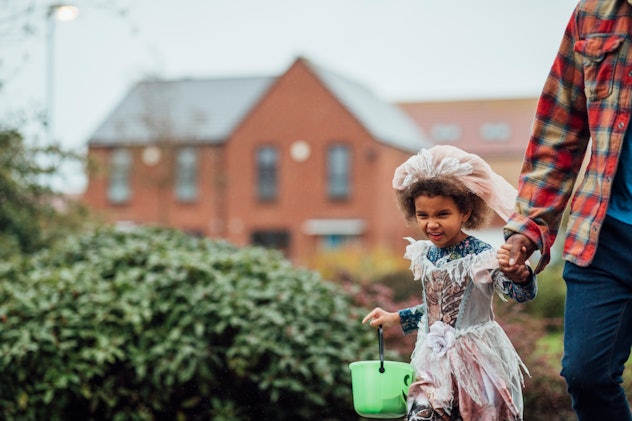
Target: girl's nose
[(433, 223)]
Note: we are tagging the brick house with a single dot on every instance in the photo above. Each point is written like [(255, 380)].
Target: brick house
[(301, 162), (495, 129)]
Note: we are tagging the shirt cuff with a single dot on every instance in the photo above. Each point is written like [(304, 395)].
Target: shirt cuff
[(409, 319), (527, 291)]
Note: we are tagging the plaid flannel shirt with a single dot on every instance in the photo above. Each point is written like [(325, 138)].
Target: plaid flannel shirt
[(587, 96)]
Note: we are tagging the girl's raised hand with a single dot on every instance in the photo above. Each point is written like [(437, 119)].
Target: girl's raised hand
[(378, 316)]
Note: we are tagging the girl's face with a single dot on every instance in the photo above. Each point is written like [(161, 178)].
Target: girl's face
[(440, 219)]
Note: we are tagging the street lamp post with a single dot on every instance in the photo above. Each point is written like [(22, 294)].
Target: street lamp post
[(63, 13)]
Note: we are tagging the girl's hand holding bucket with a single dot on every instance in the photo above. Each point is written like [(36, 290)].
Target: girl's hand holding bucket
[(379, 317)]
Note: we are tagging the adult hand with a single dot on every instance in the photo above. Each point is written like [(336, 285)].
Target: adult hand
[(377, 317), (520, 249)]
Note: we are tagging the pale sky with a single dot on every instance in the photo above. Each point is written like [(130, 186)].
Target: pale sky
[(400, 49)]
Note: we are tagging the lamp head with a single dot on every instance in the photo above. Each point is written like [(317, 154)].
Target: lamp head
[(63, 12)]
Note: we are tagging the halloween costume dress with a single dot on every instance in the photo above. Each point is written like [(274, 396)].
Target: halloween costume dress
[(465, 365)]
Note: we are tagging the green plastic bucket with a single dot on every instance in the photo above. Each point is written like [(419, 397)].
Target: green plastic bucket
[(380, 388)]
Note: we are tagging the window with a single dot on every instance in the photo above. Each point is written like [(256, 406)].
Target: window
[(186, 175), (267, 173), (277, 239), (495, 132), (445, 133), (338, 170), (120, 169)]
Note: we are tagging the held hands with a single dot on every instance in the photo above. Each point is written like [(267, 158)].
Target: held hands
[(380, 317), (512, 257)]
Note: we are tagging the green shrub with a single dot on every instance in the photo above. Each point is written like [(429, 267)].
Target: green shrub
[(549, 303), (358, 263), (153, 324)]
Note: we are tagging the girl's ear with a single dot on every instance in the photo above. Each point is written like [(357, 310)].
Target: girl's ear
[(466, 215)]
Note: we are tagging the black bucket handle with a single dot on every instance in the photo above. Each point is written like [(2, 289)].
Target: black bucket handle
[(380, 340)]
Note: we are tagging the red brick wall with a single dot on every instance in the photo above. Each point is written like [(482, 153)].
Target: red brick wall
[(299, 107), (153, 198)]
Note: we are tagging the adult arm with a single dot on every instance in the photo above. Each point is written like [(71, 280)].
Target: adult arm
[(554, 154)]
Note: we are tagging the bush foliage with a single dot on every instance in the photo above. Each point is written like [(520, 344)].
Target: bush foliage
[(551, 294), (29, 216), (152, 324)]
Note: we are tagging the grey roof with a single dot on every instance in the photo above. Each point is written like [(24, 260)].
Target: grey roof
[(209, 110), (204, 110), (385, 121)]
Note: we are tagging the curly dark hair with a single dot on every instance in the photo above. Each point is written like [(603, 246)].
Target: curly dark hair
[(447, 186)]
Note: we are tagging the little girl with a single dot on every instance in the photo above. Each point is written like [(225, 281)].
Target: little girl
[(465, 365)]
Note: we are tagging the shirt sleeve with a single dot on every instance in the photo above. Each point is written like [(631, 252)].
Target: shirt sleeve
[(555, 151), (521, 293), (410, 318)]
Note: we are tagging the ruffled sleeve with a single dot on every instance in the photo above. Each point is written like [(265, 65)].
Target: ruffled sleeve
[(485, 269), (415, 252), (482, 265)]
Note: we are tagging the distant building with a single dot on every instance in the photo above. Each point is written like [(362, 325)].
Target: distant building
[(301, 162), (496, 129)]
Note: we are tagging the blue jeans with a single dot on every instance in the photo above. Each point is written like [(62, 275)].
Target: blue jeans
[(598, 327)]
